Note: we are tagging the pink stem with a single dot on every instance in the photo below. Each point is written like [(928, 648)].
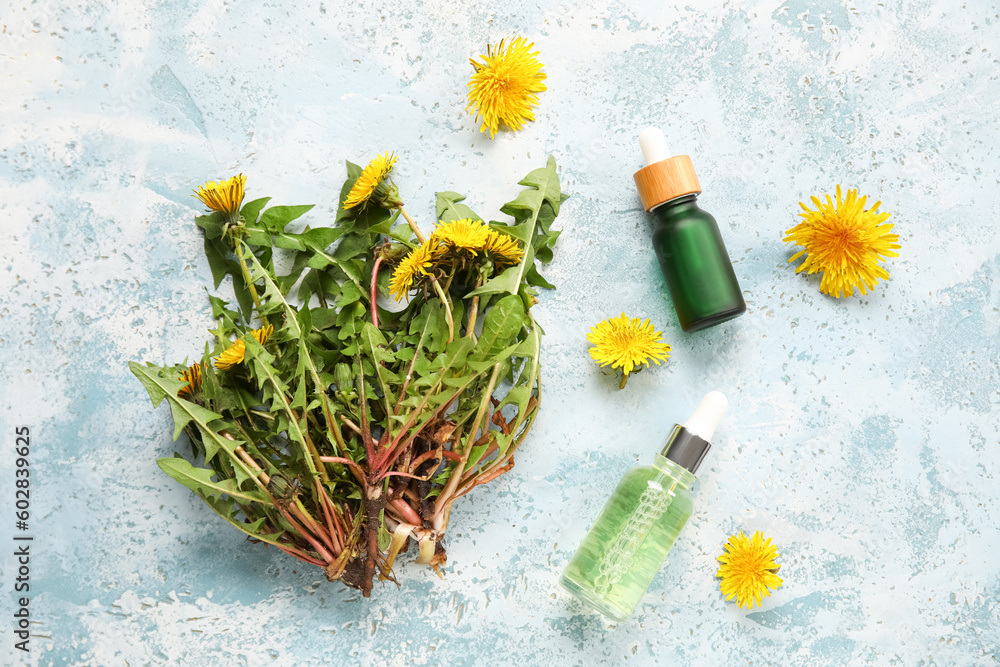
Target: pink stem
[(323, 553), (327, 505), (407, 512), (300, 555), (402, 474), (354, 466)]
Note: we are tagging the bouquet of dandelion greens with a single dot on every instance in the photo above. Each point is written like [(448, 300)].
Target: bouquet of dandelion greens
[(334, 429)]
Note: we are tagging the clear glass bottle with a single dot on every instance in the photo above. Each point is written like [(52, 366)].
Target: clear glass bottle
[(630, 539)]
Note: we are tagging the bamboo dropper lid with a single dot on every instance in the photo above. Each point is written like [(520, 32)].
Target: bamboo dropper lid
[(664, 177)]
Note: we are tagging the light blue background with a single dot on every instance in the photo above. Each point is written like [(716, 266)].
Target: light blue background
[(862, 435)]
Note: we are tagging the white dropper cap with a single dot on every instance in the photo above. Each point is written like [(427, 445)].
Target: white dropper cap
[(707, 415), (653, 145)]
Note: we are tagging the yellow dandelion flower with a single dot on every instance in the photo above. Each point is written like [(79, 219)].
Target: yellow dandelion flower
[(369, 181), (503, 249), (465, 234), (503, 86), (193, 378), (234, 354), (844, 241), (748, 569), (225, 196), (415, 264), (626, 343)]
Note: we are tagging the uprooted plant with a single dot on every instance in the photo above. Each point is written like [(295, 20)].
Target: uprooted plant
[(335, 429)]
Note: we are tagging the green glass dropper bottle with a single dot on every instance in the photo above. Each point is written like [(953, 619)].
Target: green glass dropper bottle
[(630, 538), (686, 239)]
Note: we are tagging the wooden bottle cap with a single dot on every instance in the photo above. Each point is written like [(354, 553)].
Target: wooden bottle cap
[(665, 180)]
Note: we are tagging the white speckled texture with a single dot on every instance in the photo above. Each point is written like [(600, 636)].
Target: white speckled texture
[(862, 433)]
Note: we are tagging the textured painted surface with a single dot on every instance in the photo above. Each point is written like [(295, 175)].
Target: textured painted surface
[(863, 433)]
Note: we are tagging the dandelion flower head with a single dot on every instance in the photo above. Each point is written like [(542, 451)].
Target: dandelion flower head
[(234, 354), (503, 249), (504, 85), (627, 344), (415, 264), (465, 234), (193, 378), (225, 196), (748, 569), (370, 179), (845, 241)]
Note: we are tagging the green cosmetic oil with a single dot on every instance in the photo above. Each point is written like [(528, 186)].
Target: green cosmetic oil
[(630, 539), (686, 239)]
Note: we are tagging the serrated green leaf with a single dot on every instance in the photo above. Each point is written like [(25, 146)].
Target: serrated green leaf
[(323, 318), (200, 481), (299, 398), (213, 224), (527, 209), (353, 245), (454, 354), (503, 322), (251, 210), (321, 238), (256, 236), (384, 537), (503, 443), (386, 226), (305, 319), (184, 412), (449, 208), (518, 396), (287, 241), (350, 294), (215, 253), (535, 278), (477, 452), (375, 343), (220, 311), (276, 218), (157, 387), (431, 318)]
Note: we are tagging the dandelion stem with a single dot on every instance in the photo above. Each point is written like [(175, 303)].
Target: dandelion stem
[(326, 505), (240, 247), (355, 468), (447, 308), (413, 225), (292, 551), (351, 425), (409, 371), (253, 464), (445, 497), (366, 434), (470, 328), (303, 514), (323, 553), (378, 263)]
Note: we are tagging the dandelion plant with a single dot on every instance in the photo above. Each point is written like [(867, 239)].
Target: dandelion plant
[(334, 429)]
